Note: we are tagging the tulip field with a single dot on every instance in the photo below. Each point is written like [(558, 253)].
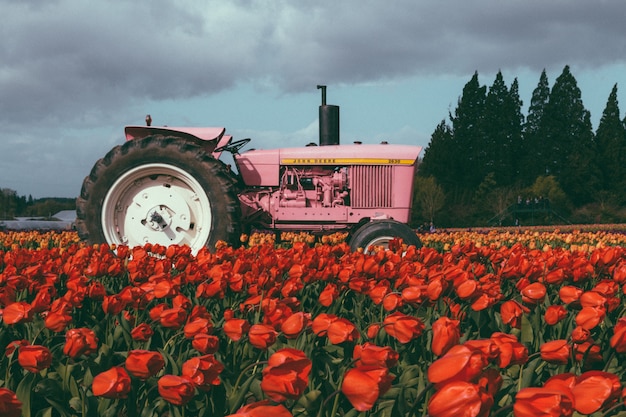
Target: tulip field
[(493, 323)]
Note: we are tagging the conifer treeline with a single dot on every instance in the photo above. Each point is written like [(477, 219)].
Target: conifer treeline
[(488, 152)]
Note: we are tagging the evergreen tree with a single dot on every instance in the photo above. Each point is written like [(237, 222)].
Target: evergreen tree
[(568, 140), (502, 129), (467, 125), (440, 157), (611, 150), (535, 160)]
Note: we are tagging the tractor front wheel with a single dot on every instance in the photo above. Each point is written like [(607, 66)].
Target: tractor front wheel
[(380, 233), (159, 190)]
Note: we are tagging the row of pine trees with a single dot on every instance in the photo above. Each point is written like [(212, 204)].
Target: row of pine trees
[(488, 158)]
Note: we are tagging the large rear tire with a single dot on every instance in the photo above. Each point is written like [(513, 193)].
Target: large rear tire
[(159, 190), (380, 233)]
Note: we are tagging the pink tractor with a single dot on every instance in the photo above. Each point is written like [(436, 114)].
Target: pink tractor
[(167, 185)]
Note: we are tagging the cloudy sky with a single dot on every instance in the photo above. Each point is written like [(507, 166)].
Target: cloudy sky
[(73, 73)]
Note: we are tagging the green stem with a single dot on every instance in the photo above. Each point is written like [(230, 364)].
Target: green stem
[(419, 398), (252, 365)]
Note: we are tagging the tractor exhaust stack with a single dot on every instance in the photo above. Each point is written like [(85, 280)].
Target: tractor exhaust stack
[(329, 121)]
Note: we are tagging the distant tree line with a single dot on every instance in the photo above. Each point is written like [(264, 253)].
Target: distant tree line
[(12, 205), (489, 164)]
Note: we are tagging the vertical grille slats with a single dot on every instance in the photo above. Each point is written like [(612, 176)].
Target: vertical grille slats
[(371, 186)]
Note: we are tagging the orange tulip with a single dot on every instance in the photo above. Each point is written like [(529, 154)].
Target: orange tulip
[(363, 385)]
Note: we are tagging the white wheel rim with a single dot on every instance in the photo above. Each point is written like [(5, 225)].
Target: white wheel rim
[(159, 204), (379, 241)]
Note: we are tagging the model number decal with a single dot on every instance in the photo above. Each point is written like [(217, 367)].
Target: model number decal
[(345, 161)]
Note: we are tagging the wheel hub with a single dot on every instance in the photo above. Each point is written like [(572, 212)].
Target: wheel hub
[(158, 218)]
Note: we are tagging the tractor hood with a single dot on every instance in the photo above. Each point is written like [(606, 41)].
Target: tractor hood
[(261, 167)]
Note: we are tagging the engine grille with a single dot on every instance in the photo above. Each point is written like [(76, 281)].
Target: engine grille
[(371, 186)]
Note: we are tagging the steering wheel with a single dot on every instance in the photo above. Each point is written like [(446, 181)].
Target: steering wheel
[(233, 147)]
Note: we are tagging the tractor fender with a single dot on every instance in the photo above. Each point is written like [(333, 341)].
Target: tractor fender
[(209, 138)]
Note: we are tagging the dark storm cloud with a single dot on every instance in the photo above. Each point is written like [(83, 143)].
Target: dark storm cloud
[(80, 61)]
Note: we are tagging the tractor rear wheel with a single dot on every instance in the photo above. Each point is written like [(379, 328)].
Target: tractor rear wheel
[(159, 190), (380, 233)]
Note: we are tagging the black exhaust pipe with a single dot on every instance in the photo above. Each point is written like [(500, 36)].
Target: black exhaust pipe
[(329, 121)]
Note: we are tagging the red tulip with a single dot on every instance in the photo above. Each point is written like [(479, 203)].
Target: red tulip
[(372, 355), (402, 327), (534, 293), (10, 406), (114, 383), (511, 312), (205, 343), (589, 317), (197, 325), (459, 398), (177, 390), (618, 340), (328, 295), (554, 314), (446, 333), (363, 386), (34, 358), (512, 352), (204, 371), (533, 402), (342, 330), (286, 375), (295, 324), (262, 336), (235, 328), (570, 294), (173, 318), (18, 312), (460, 363), (144, 363), (556, 351), (595, 390), (262, 409), (80, 341), (142, 333)]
